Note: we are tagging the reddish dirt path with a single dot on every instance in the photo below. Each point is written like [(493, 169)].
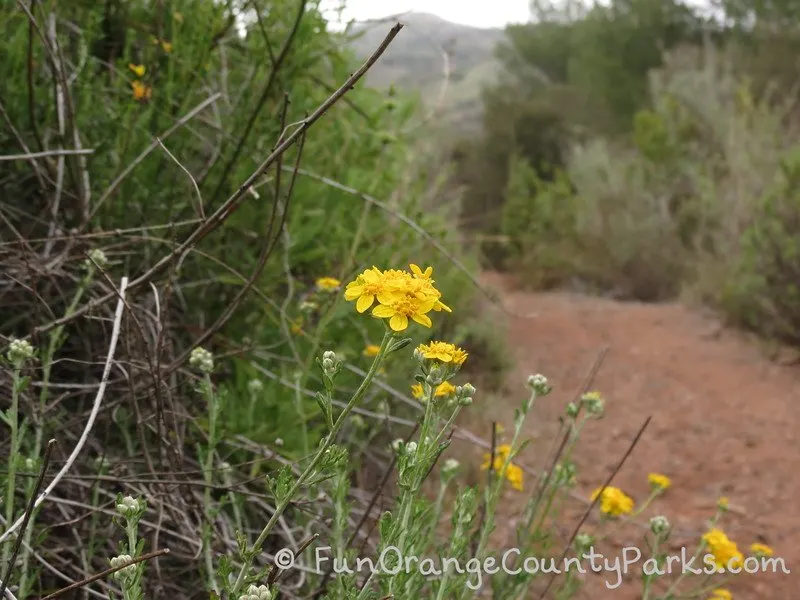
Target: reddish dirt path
[(725, 422)]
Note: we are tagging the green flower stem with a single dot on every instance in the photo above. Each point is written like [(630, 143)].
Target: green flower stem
[(649, 579), (646, 503), (700, 547), (493, 494), (388, 336), (13, 424), (208, 467)]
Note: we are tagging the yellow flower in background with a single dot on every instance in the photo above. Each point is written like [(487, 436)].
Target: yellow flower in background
[(723, 503), (166, 46), (514, 475), (720, 594), (328, 284), (178, 17), (371, 350), (658, 481), (401, 296), (761, 549), (725, 551), (614, 502), (500, 454), (443, 352), (138, 69), (141, 92)]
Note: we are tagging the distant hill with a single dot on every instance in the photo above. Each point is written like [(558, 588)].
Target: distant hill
[(414, 61)]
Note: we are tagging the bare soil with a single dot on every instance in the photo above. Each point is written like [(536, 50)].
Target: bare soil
[(725, 422)]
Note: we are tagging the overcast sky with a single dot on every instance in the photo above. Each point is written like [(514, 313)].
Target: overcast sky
[(478, 13)]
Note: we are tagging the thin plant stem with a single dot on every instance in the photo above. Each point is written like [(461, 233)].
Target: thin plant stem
[(388, 336)]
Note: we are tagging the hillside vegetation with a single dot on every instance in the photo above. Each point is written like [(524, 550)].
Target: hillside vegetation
[(417, 63), (643, 150)]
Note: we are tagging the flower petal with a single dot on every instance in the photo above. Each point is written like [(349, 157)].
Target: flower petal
[(364, 302), (383, 311), (398, 322), (423, 320)]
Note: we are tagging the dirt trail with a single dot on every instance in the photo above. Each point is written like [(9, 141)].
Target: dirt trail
[(725, 420)]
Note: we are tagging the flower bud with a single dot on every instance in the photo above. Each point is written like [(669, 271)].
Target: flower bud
[(260, 592), (255, 386), (97, 257), (202, 360), (538, 383), (450, 466), (659, 525), (129, 506), (573, 410), (18, 352), (397, 444), (126, 572)]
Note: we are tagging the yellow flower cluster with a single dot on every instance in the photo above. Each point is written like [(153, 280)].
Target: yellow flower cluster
[(725, 551), (513, 473), (444, 352), (328, 284), (658, 481), (720, 594), (401, 295), (614, 501), (443, 389)]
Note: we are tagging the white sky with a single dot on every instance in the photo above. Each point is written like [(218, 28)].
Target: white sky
[(478, 13)]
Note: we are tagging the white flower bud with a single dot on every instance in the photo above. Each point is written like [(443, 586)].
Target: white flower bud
[(260, 592), (411, 448), (98, 257), (397, 444), (538, 383), (126, 572), (202, 360), (255, 386), (128, 506), (659, 525), (18, 352), (450, 466)]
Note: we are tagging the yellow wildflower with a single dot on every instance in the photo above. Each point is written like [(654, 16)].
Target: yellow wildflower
[(138, 69), (401, 296), (141, 92), (725, 551), (443, 389), (720, 594), (166, 46), (658, 481), (328, 284), (614, 501), (514, 475), (500, 454), (444, 352), (371, 350), (178, 17), (723, 503), (761, 549), (365, 289)]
